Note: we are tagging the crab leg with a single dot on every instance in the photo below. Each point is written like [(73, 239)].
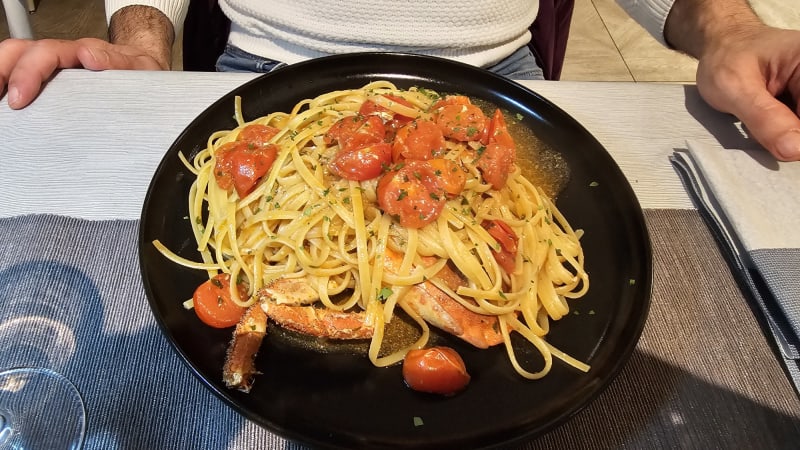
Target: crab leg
[(444, 312), (239, 369), (287, 302), (319, 322)]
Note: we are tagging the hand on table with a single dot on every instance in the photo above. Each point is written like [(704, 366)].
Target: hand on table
[(743, 74), (25, 64)]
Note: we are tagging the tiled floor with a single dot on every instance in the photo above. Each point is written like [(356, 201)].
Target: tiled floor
[(605, 44)]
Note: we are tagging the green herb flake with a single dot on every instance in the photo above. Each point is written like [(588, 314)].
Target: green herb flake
[(594, 184), (384, 294), (631, 282), (418, 421)]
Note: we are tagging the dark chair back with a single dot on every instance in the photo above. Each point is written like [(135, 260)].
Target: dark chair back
[(205, 33), (206, 29), (550, 33)]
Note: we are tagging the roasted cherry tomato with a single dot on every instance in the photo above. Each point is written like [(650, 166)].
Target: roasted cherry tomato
[(497, 158), (242, 164), (420, 139), (213, 304), (257, 134), (411, 192), (436, 370), (363, 163), (502, 233), (362, 151), (452, 178), (393, 121), (459, 119), (356, 132), (369, 107)]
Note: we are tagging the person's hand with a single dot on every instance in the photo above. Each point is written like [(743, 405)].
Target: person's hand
[(25, 65), (743, 74)]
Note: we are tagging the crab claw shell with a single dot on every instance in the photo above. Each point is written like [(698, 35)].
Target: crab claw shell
[(239, 370), (319, 322)]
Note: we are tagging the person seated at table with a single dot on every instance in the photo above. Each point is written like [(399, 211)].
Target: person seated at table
[(743, 63)]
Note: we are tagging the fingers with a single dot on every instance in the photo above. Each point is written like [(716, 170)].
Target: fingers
[(32, 64), (10, 51), (745, 81), (25, 65), (771, 123), (102, 55)]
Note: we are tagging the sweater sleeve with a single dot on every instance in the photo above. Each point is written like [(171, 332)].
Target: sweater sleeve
[(650, 14), (175, 10)]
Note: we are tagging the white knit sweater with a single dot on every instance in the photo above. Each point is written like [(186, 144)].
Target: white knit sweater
[(479, 32)]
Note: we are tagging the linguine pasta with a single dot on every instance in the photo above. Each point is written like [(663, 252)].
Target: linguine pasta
[(301, 221)]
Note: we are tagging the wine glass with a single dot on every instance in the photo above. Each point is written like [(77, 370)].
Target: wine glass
[(40, 409)]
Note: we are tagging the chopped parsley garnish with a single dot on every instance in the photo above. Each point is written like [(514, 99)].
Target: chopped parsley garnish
[(384, 294)]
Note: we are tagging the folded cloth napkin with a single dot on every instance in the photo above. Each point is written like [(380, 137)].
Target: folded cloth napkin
[(750, 201)]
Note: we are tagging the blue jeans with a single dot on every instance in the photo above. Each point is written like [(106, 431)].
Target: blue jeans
[(520, 65)]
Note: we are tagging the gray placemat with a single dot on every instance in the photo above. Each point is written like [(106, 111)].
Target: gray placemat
[(73, 301), (703, 375)]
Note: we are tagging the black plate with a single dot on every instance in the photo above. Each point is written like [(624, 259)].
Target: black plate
[(342, 400)]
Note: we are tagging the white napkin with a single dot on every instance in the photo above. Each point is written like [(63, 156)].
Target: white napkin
[(751, 203)]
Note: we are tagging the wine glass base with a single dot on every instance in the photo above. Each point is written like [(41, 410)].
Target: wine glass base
[(40, 408), (5, 428)]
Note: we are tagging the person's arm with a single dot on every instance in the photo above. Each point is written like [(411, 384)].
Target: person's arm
[(151, 25), (145, 28), (693, 26)]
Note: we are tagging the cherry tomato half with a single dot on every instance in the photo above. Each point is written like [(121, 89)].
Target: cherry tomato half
[(363, 163), (411, 192), (451, 176), (459, 119), (369, 107), (497, 158), (505, 236), (356, 132), (257, 134), (420, 139), (242, 164), (213, 304), (436, 370)]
